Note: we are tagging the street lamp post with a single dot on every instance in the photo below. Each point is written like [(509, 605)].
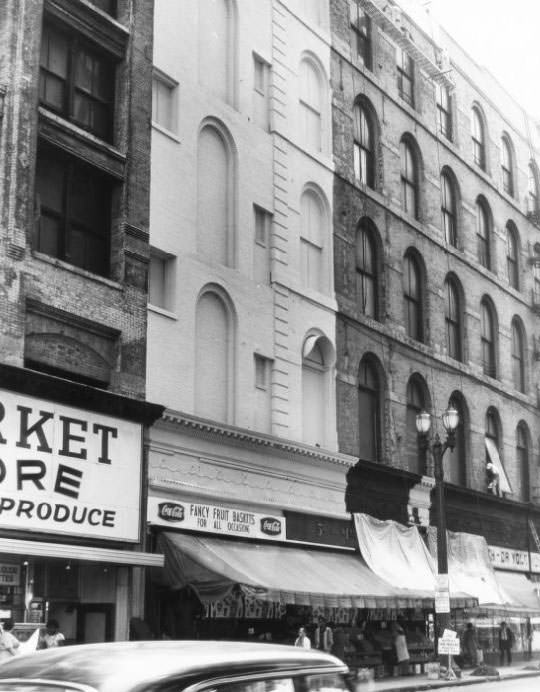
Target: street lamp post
[(450, 419)]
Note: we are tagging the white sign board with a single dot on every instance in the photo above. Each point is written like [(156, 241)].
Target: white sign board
[(224, 520), (65, 470), (448, 646), (507, 558), (442, 602), (535, 562)]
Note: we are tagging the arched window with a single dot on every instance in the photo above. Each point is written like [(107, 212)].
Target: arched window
[(487, 330), (369, 413), (454, 461), (413, 297), (416, 401), (313, 233), (367, 269), (216, 42), (536, 274), (518, 356), (213, 358), (452, 316), (409, 179), (499, 482), (507, 167), (444, 112), (522, 460), (215, 180), (532, 191), (448, 209), (316, 361), (512, 255), (478, 137), (364, 147), (311, 104), (483, 245)]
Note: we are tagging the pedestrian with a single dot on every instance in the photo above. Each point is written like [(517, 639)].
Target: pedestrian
[(470, 645), (9, 644), (52, 637), (327, 637), (302, 640), (400, 647), (506, 642), (338, 648)]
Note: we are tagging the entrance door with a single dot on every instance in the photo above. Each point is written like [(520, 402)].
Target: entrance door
[(94, 622)]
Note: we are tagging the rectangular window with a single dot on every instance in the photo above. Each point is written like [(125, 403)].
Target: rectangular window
[(361, 34), (261, 90), (74, 207), (405, 76), (311, 264), (164, 101), (262, 220), (443, 112), (311, 124), (77, 82), (263, 393), (161, 283)]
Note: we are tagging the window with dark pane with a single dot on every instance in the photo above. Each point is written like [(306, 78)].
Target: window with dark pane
[(444, 114), (532, 194), (454, 460), (506, 166), (366, 271), (453, 321), (415, 404), (412, 295), (448, 210), (74, 212), (522, 459), (361, 28), (478, 139), (487, 330), (409, 179), (108, 6), (368, 411), (405, 76), (482, 236), (512, 257), (518, 358), (77, 82), (364, 154)]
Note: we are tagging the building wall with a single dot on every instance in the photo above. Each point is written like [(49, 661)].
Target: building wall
[(400, 356)]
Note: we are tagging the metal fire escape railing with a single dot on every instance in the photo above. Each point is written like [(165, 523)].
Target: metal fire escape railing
[(387, 15)]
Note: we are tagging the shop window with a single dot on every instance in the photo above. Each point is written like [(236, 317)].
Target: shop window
[(74, 208), (487, 337), (369, 411), (164, 101), (444, 113), (364, 147), (478, 138), (162, 280), (77, 82), (367, 270), (361, 35), (413, 297), (512, 255), (405, 76), (449, 209), (518, 356)]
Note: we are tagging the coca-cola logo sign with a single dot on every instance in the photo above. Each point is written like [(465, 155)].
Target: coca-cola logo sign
[(270, 526), (171, 511)]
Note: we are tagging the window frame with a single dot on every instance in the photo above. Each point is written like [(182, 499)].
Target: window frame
[(159, 77), (365, 275), (449, 209), (413, 300), (518, 356), (362, 33), (488, 339), (409, 178), (512, 257), (364, 146), (483, 235), (452, 318), (478, 138), (368, 368), (405, 76), (75, 46), (523, 460), (444, 112), (507, 166), (533, 194)]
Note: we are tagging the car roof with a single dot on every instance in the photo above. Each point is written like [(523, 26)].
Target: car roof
[(125, 665)]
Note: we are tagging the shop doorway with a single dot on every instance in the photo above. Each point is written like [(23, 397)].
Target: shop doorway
[(95, 622)]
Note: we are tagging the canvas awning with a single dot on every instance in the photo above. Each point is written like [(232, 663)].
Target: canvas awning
[(521, 591), (213, 567)]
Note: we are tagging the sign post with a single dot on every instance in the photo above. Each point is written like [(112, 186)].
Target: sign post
[(449, 644)]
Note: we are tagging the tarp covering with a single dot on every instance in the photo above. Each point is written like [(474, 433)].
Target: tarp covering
[(397, 554), (469, 566), (213, 567), (521, 590)]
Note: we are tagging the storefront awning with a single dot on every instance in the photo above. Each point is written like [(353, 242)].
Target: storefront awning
[(79, 552), (213, 567), (521, 591)]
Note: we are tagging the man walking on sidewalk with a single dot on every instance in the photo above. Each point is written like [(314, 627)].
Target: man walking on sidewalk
[(506, 642)]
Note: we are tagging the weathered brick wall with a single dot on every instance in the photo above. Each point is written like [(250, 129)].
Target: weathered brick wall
[(400, 356)]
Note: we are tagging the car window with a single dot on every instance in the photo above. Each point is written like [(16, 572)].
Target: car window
[(326, 682), (268, 685)]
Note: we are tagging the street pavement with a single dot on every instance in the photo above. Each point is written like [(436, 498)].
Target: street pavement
[(524, 679)]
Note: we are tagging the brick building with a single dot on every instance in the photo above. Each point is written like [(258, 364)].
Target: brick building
[(75, 89), (436, 247)]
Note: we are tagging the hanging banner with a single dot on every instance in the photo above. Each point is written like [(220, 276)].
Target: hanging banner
[(220, 519)]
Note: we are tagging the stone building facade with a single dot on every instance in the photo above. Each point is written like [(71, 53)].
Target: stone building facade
[(75, 83)]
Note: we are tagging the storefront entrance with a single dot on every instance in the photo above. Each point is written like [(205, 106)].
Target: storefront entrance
[(95, 622)]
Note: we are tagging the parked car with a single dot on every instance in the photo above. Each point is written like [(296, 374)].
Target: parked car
[(175, 666)]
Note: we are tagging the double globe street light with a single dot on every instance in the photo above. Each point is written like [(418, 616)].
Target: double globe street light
[(450, 419)]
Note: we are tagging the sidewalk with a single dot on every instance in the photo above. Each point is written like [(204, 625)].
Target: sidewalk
[(412, 683)]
